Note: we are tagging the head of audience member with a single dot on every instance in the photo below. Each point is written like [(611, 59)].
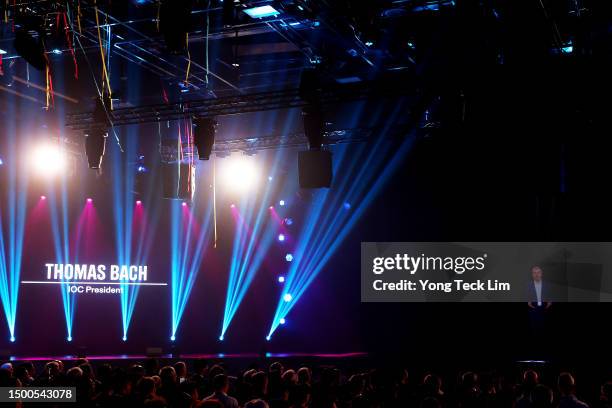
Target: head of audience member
[(289, 378), (259, 382), (181, 369), (221, 383), (432, 385), (146, 387), (168, 377), (151, 366), (200, 366), (566, 384), (304, 375), (210, 403), (256, 403)]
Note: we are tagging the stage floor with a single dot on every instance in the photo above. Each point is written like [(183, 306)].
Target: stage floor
[(194, 356)]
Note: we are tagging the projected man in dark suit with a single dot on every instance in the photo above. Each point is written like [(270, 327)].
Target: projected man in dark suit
[(538, 291), (538, 296)]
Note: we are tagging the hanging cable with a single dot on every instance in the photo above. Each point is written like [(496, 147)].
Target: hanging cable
[(105, 77)]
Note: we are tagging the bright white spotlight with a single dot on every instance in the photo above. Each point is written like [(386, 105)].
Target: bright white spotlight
[(281, 237), (172, 338), (287, 297), (124, 338), (281, 203), (268, 337), (49, 160), (282, 320), (281, 279), (289, 257), (240, 173), (12, 339), (69, 338), (221, 338)]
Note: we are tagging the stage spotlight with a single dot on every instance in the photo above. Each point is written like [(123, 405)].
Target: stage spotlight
[(281, 237), (220, 338), (42, 197), (12, 339), (347, 206), (233, 206), (288, 221), (281, 279), (184, 204), (289, 257), (69, 338), (261, 11), (89, 200), (95, 145), (49, 159), (141, 169), (282, 320), (1, 162), (281, 203), (204, 136), (288, 297), (172, 338), (269, 177), (268, 338), (124, 338), (240, 173), (138, 202)]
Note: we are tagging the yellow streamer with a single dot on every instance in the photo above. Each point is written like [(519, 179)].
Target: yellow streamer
[(105, 78), (188, 59)]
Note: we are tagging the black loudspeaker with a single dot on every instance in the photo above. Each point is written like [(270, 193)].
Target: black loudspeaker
[(315, 168), (178, 181), (204, 136), (31, 49)]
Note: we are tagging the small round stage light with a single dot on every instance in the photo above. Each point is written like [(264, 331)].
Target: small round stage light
[(288, 221), (184, 204), (288, 297), (173, 337), (220, 338), (281, 237), (281, 279), (269, 177), (141, 169), (281, 203), (347, 206), (282, 320), (49, 160), (12, 339), (1, 162), (69, 338), (268, 338), (42, 197), (289, 257), (138, 202), (271, 207), (90, 200), (124, 338)]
